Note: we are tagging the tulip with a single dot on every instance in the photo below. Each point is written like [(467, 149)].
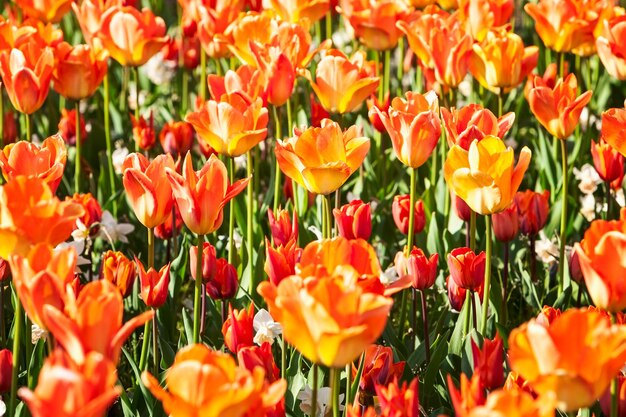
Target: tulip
[(30, 214), (232, 125), (149, 191), (154, 285), (478, 16), (209, 261), (165, 230), (91, 206), (306, 308), (575, 378), (342, 84), (514, 382), (89, 15), (49, 11), (399, 400), (5, 270), (558, 109), (237, 328), (131, 36), (79, 70), (611, 49), (65, 388), (67, 127), (246, 81), (26, 75), (46, 162), (383, 106), (473, 122), (354, 220), (467, 269), (322, 159), (119, 270), (246, 29), (93, 323), (457, 295), (607, 161), (282, 228), (143, 132), (501, 62), (460, 207), (297, 10), (548, 79), (176, 138), (277, 70), (400, 213), (213, 22), (533, 210), (468, 396), (605, 400), (379, 369), (201, 195), (209, 383), (506, 224), (281, 262), (574, 268), (515, 403), (488, 362), (614, 128), (6, 369), (318, 112), (225, 283), (251, 357)]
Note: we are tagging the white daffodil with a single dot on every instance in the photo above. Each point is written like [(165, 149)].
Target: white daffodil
[(265, 327), (545, 249), (588, 179), (81, 233), (79, 247), (588, 207), (113, 231), (37, 333), (323, 401)]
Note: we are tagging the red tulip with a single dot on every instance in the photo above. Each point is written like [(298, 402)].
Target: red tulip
[(421, 269), (282, 228), (379, 369), (6, 369), (154, 284), (506, 224), (238, 330), (225, 282), (281, 262), (209, 261), (400, 212), (254, 356), (354, 220), (488, 362), (467, 269)]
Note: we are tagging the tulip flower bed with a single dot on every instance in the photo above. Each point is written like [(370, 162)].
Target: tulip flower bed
[(354, 208)]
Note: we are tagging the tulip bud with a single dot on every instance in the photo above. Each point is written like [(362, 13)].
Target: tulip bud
[(252, 356), (154, 285), (5, 271), (574, 268), (176, 138), (119, 270), (225, 282), (506, 224), (532, 208), (67, 127), (421, 270), (209, 261), (488, 362), (548, 315), (467, 269), (281, 262), (379, 369), (460, 208), (282, 228), (6, 370), (457, 295), (354, 220), (608, 162), (164, 231), (400, 212), (143, 132), (238, 330), (373, 114)]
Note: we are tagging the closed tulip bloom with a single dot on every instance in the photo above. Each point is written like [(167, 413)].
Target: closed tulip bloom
[(574, 367), (488, 362), (148, 190), (322, 159), (209, 261), (611, 46), (306, 308), (399, 400), (280, 262), (204, 382), (460, 207), (467, 269), (67, 127), (614, 128), (413, 126), (342, 84), (295, 10), (486, 176), (478, 16), (202, 195), (6, 369), (372, 104), (379, 369), (421, 269), (282, 228), (506, 224), (143, 131), (154, 284), (237, 329), (232, 125), (558, 109), (607, 161), (457, 295), (501, 62), (49, 11), (533, 209), (131, 36), (354, 220), (176, 138), (224, 284), (26, 74), (277, 70), (65, 388), (119, 270), (46, 162), (250, 357), (474, 122), (79, 70), (400, 213)]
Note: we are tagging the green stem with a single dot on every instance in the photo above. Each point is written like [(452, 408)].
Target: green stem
[(198, 290), (78, 147), (483, 327), (466, 307), (28, 131), (561, 64), (144, 346), (203, 85), (277, 172), (109, 144), (335, 379), (400, 68), (137, 112), (155, 344), (185, 94), (329, 25), (150, 247), (348, 387), (17, 336), (326, 217), (425, 324), (249, 224), (472, 231), (231, 219), (314, 391), (563, 216), (410, 232), (387, 68), (500, 103), (283, 357)]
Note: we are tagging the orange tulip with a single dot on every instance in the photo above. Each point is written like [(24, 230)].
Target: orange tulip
[(67, 127), (413, 126), (31, 214), (148, 189), (488, 361), (207, 383), (548, 79), (67, 389), (238, 328), (89, 15), (473, 122), (478, 16), (143, 131), (281, 262), (201, 196), (154, 284), (93, 322), (607, 161), (295, 41), (118, 270), (513, 403), (558, 109), (26, 74), (468, 396), (46, 162), (399, 400), (249, 28), (232, 125), (501, 62), (213, 21), (342, 84), (79, 70), (297, 10), (533, 208), (49, 11), (278, 71), (573, 367), (176, 138), (379, 369), (614, 129), (283, 228), (246, 81), (41, 278), (131, 36), (611, 45), (322, 159)]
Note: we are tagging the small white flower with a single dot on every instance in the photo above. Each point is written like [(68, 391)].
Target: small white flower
[(323, 401), (81, 233), (118, 157), (341, 38), (3, 408), (619, 197), (465, 87), (588, 179), (389, 276), (37, 333), (588, 207), (238, 239), (158, 70), (545, 249), (79, 247), (113, 231), (265, 327), (132, 96)]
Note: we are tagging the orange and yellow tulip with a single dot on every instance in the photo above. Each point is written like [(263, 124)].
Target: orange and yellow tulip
[(118, 270), (479, 16), (49, 11), (277, 70), (208, 383), (154, 284), (611, 45), (297, 10), (558, 109), (280, 262), (614, 128), (486, 176), (79, 70), (399, 400), (246, 81), (131, 36), (148, 189), (474, 122), (513, 403), (201, 195), (212, 21), (321, 159), (572, 367), (413, 126), (295, 41), (46, 162), (342, 84)]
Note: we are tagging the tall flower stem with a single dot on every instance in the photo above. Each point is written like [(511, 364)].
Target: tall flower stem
[(144, 346), (335, 380), (505, 281), (29, 134), (78, 147), (483, 324), (500, 103), (563, 237), (472, 230), (109, 144), (277, 135), (314, 391), (155, 343), (326, 217), (202, 83), (231, 217), (283, 357), (400, 67), (249, 223), (425, 325), (146, 328), (409, 246), (468, 312), (137, 113), (17, 336), (198, 290)]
